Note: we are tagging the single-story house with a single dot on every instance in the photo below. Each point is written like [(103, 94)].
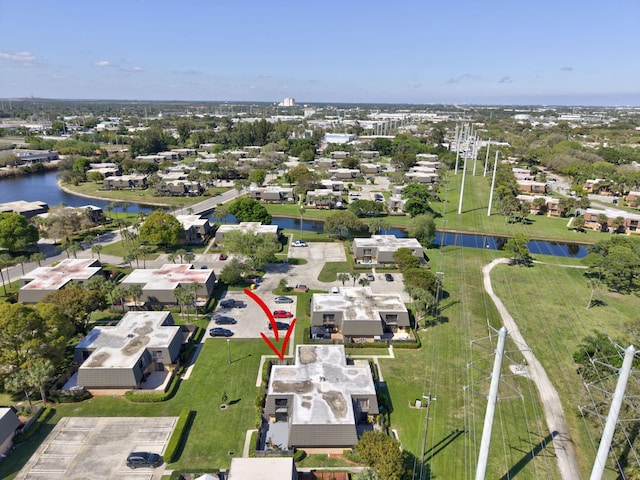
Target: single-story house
[(357, 314), (196, 227), (370, 168), (158, 284), (323, 198), (185, 152), (428, 157), (340, 155), (532, 187), (9, 423), (396, 204), (272, 194), (334, 185), (321, 398), (36, 284), (344, 173), (370, 154), (422, 177), (24, 208), (150, 158), (379, 249), (180, 188), (325, 163), (266, 468), (633, 199), (120, 356), (120, 182), (246, 227)]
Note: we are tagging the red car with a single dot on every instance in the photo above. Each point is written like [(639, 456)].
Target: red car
[(282, 314)]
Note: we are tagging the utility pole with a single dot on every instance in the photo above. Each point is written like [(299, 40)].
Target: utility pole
[(492, 399), (428, 398), (612, 418), (464, 173), (486, 159), (493, 184)]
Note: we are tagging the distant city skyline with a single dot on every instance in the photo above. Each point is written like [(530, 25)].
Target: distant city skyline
[(493, 52)]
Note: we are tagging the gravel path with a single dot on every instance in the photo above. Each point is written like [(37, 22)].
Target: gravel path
[(562, 443)]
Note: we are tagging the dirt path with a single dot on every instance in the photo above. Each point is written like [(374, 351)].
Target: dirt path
[(562, 443)]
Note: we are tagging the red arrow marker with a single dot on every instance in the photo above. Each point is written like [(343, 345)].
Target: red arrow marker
[(274, 326)]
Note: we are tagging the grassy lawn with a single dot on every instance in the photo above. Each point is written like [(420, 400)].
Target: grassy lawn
[(140, 196), (330, 271), (555, 331)]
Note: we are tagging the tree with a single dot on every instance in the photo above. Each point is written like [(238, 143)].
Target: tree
[(232, 272), (405, 259), (38, 257), (366, 208), (578, 223), (364, 282), (97, 248), (377, 224), (354, 277), (136, 292), (342, 224), (603, 220), (18, 381), (423, 229), (257, 176), (183, 297), (517, 248), (22, 335), (39, 372), (77, 303), (382, 453), (184, 126), (421, 278), (16, 233), (249, 210), (220, 212), (161, 228), (256, 250), (342, 277)]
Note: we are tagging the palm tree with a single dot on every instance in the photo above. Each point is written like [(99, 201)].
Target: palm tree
[(136, 292), (21, 260), (18, 381), (38, 257), (343, 277), (364, 282), (189, 256), (354, 276), (97, 248), (181, 253), (40, 372)]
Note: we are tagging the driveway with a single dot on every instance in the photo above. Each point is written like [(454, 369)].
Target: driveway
[(97, 447)]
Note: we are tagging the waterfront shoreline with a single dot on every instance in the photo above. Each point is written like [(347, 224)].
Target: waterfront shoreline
[(121, 200)]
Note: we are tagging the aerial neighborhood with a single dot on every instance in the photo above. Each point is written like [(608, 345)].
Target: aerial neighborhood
[(229, 291)]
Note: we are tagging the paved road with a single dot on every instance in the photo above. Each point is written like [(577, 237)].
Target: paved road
[(562, 443)]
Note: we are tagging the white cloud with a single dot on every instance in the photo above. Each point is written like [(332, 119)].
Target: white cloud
[(26, 59), (136, 69), (102, 63), (567, 69)]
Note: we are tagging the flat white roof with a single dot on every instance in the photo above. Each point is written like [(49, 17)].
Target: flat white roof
[(322, 384), (248, 227), (358, 303), (188, 221), (613, 213), (386, 243), (120, 346), (167, 277), (18, 206), (54, 278), (267, 468)]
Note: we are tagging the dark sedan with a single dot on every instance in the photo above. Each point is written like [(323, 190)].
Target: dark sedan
[(280, 326), (220, 332), (222, 320)]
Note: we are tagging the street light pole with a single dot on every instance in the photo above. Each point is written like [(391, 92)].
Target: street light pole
[(228, 352), (428, 398)]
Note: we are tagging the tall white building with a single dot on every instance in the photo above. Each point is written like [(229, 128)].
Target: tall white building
[(287, 102)]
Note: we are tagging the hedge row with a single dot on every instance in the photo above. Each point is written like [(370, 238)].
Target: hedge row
[(155, 397), (178, 436)]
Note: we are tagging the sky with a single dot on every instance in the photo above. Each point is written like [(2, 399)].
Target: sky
[(552, 52)]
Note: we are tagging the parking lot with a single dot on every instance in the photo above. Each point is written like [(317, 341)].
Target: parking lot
[(251, 320), (81, 448)]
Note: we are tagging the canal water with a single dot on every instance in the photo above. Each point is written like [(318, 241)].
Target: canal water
[(43, 187)]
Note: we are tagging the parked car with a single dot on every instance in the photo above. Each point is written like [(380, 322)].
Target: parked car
[(301, 288), (335, 290), (370, 277), (220, 332), (223, 256), (299, 243), (283, 300), (231, 303), (224, 320), (144, 459), (280, 326), (282, 314), (388, 277)]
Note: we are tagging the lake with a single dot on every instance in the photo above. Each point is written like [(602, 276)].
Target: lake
[(44, 188)]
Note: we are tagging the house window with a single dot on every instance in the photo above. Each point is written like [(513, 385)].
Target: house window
[(363, 404), (391, 317), (366, 251), (328, 317), (281, 402)]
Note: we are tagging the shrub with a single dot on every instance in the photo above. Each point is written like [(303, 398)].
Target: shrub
[(177, 439), (43, 415), (155, 397), (299, 455)]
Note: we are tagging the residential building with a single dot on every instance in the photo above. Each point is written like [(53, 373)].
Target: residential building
[(267, 468), (379, 249), (320, 400), (24, 208), (344, 173), (334, 185), (531, 187), (370, 168), (29, 157), (37, 283), (121, 356), (370, 154), (356, 314), (273, 194), (422, 177), (428, 157), (122, 182), (598, 186), (339, 155), (551, 205), (633, 199), (323, 198), (396, 204), (630, 221), (181, 188), (9, 424), (246, 227), (197, 228), (159, 284)]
